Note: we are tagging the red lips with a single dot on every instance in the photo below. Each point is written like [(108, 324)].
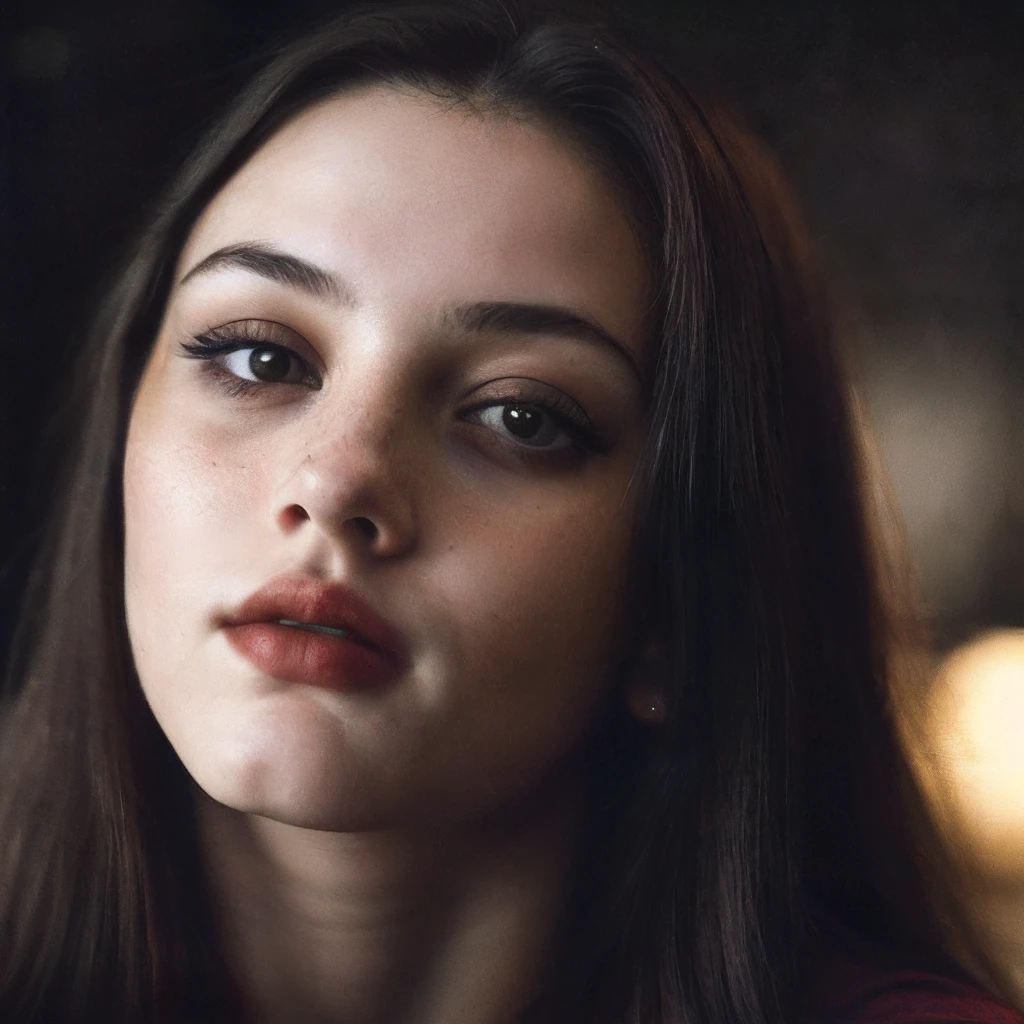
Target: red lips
[(371, 653)]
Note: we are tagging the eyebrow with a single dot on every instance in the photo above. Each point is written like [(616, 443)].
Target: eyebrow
[(274, 265), (529, 318), (473, 317)]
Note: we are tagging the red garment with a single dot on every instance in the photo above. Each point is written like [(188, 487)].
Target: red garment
[(860, 985)]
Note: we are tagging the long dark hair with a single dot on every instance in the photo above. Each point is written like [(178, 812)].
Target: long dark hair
[(770, 790)]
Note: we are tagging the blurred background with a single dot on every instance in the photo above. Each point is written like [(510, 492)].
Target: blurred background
[(902, 126)]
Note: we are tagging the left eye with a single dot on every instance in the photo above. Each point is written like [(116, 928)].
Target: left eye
[(265, 363), (531, 425)]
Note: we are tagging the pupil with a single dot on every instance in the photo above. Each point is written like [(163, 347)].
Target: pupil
[(521, 421), (268, 363)]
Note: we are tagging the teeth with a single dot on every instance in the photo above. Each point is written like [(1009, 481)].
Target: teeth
[(315, 628)]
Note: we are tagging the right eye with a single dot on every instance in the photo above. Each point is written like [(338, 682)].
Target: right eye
[(245, 366)]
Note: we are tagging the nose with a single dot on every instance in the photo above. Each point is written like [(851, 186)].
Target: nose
[(350, 476)]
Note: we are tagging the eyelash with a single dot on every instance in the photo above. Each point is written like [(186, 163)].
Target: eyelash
[(570, 418), (208, 347)]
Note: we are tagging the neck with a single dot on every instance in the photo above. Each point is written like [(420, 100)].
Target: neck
[(426, 926)]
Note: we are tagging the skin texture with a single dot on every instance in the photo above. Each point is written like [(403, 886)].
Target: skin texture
[(398, 852)]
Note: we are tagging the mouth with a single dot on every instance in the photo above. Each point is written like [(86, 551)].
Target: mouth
[(299, 629)]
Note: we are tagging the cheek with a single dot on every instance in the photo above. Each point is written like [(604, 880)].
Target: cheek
[(185, 503), (183, 492), (535, 605), (556, 576)]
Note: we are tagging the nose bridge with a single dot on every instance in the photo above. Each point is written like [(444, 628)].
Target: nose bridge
[(361, 419)]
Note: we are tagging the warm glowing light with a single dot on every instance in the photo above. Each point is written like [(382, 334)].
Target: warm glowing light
[(975, 732)]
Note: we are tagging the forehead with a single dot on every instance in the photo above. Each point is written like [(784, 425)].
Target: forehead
[(414, 199)]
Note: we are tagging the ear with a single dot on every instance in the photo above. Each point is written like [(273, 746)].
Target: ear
[(646, 688)]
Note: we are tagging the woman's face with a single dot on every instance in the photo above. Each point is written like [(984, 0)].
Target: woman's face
[(410, 400)]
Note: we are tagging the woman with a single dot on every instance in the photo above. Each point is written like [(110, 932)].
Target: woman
[(461, 605)]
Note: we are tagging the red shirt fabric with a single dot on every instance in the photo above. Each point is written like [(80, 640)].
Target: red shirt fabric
[(858, 984)]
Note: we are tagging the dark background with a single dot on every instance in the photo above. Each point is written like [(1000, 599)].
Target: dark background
[(902, 126)]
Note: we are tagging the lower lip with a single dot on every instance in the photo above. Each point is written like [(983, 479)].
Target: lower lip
[(296, 655)]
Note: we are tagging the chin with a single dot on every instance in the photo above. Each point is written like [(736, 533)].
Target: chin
[(293, 766), (289, 795)]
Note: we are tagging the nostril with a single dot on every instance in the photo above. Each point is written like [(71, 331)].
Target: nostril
[(365, 526), (293, 516)]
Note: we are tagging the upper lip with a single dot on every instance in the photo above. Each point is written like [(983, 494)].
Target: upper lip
[(302, 599)]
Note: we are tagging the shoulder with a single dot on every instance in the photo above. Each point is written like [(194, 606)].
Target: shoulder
[(859, 984)]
